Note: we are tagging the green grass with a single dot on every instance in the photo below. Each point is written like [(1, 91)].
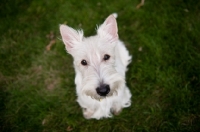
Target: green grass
[(37, 91)]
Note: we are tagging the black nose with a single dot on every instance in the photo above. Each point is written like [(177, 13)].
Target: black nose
[(103, 90)]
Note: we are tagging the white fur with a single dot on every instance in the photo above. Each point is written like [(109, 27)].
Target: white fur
[(97, 70)]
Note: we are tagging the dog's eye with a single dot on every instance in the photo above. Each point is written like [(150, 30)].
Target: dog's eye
[(84, 62), (106, 57)]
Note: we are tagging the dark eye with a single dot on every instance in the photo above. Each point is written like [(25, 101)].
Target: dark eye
[(106, 57), (84, 62)]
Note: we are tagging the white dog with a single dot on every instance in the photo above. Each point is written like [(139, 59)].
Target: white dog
[(100, 63)]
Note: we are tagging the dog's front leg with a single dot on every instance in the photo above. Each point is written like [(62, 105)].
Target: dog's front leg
[(87, 113), (116, 108)]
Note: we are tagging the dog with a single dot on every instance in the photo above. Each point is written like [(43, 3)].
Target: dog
[(100, 64)]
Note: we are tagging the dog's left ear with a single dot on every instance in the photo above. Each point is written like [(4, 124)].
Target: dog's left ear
[(108, 30)]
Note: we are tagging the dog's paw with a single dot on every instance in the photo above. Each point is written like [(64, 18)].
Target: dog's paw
[(127, 104), (115, 111), (87, 113)]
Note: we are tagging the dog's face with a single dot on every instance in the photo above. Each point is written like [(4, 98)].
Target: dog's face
[(94, 59)]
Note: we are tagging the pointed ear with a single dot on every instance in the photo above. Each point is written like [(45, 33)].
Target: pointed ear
[(108, 30), (70, 37)]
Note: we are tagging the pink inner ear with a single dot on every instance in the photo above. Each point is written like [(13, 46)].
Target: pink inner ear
[(65, 33), (70, 36), (113, 26), (109, 29)]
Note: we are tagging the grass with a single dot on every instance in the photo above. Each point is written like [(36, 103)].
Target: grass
[(37, 91)]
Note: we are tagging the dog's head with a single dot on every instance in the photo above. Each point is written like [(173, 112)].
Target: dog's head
[(95, 59)]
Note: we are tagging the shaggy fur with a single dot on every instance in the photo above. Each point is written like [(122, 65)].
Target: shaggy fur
[(96, 70)]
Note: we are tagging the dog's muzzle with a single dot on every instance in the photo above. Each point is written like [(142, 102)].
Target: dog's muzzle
[(103, 89)]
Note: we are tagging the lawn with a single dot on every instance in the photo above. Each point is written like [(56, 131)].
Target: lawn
[(37, 90)]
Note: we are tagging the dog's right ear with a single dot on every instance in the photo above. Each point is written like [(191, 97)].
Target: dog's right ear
[(108, 30), (70, 37)]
